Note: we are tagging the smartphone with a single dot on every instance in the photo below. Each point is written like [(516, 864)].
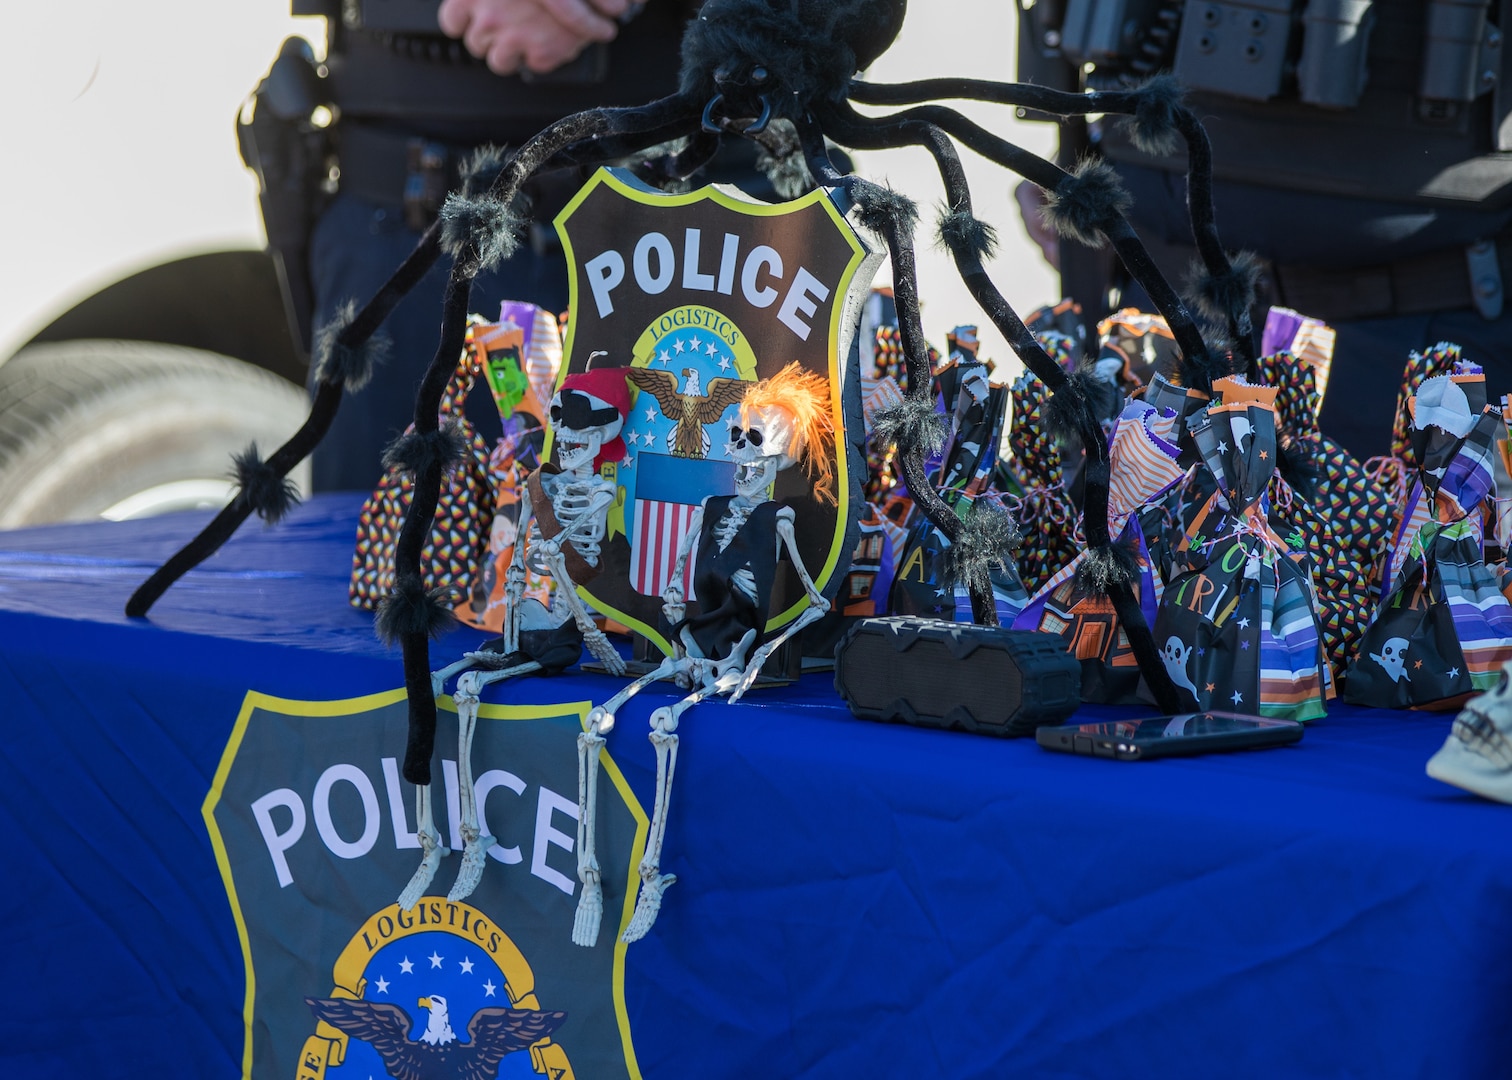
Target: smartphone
[(1169, 736)]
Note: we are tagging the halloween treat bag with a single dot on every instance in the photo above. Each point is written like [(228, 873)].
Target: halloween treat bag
[(1238, 629), (1443, 628)]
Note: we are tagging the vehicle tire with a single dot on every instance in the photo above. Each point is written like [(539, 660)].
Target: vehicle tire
[(123, 429)]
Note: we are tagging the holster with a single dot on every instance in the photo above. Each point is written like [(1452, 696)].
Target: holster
[(283, 142)]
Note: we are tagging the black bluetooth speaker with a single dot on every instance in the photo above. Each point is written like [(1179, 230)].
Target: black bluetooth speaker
[(939, 674)]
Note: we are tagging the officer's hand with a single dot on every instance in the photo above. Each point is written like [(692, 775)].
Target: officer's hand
[(538, 35), (1031, 203)]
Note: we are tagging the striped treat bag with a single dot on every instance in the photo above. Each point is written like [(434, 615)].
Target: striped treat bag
[(1238, 630), (1164, 519), (1331, 504), (1143, 465), (1443, 628)]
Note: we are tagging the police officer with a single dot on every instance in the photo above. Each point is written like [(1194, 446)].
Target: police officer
[(1360, 148), (415, 87)]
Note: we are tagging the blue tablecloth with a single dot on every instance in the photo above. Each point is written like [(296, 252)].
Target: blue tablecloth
[(855, 899)]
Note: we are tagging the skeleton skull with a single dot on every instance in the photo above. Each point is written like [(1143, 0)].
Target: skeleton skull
[(1393, 658), (760, 451), (1477, 756), (580, 426)]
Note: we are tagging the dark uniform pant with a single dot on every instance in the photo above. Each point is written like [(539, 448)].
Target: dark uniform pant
[(356, 246)]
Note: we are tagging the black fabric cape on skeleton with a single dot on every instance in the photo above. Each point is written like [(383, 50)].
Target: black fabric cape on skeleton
[(727, 612), (746, 65)]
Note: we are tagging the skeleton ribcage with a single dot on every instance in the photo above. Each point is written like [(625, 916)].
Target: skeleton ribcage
[(568, 502)]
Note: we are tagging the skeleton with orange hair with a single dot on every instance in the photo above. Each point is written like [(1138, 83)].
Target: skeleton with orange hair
[(784, 420)]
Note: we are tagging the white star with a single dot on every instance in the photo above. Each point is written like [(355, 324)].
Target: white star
[(729, 449), (939, 592), (467, 966), (664, 356), (1238, 698), (1453, 673), (405, 966), (679, 345), (435, 959), (1244, 623), (627, 463), (711, 349), (489, 988), (650, 414), (382, 985), (724, 364), (1222, 447)]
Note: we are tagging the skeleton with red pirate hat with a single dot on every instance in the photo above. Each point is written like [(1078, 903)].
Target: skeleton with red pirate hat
[(563, 517)]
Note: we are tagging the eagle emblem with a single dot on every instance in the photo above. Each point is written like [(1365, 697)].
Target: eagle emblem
[(493, 1034), (690, 409)]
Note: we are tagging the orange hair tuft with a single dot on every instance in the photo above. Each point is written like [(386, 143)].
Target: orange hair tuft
[(806, 397)]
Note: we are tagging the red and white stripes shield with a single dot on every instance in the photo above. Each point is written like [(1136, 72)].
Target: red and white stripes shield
[(659, 531)]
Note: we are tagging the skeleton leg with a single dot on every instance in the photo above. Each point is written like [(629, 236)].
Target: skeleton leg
[(430, 846), (476, 841), (590, 909), (440, 678), (602, 716), (653, 881), (585, 929)]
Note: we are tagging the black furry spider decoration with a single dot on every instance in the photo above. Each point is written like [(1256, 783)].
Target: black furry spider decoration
[(745, 64)]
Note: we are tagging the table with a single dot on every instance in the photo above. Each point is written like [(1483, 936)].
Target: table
[(854, 899)]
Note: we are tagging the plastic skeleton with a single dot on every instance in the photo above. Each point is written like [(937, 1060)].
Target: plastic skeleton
[(746, 64), (563, 514), (1477, 755), (783, 421)]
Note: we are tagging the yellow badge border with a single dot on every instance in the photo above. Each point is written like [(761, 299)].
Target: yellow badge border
[(345, 707), (859, 254)]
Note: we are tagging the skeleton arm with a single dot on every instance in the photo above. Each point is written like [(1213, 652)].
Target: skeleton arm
[(514, 577), (673, 605), (551, 551), (818, 605)]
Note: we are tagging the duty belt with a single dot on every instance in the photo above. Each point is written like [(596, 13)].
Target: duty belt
[(1451, 279)]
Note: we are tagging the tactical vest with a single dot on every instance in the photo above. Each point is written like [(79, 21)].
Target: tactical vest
[(1400, 101)]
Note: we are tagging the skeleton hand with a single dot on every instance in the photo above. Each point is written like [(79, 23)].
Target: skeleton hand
[(603, 651), (752, 672), (548, 549), (672, 604)]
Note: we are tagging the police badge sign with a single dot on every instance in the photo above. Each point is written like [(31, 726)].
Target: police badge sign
[(314, 833), (699, 295)]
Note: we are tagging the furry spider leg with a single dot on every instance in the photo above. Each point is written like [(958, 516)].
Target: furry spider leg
[(893, 217), (683, 163), (1071, 396), (631, 150), (348, 348), (1087, 205), (346, 351), (1153, 112), (477, 234)]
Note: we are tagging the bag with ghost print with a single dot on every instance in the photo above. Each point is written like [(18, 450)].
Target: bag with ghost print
[(1238, 630), (1443, 629)]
